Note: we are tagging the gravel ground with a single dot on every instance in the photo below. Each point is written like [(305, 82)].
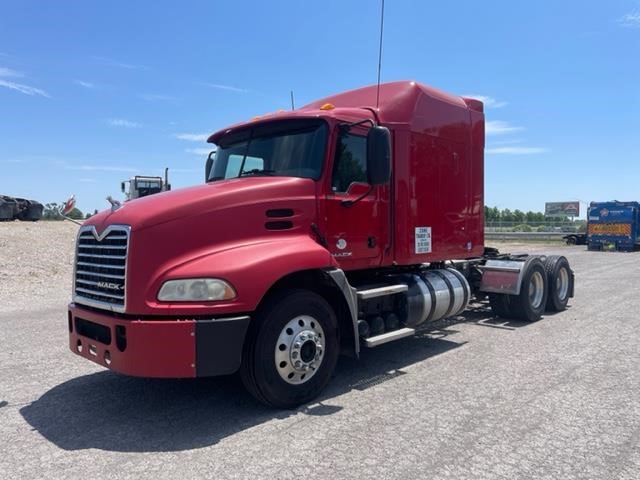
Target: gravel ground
[(36, 258), (475, 397)]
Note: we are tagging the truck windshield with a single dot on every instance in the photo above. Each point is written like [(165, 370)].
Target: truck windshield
[(147, 187), (291, 148)]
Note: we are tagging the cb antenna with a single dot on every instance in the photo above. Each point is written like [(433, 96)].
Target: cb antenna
[(292, 104), (380, 54)]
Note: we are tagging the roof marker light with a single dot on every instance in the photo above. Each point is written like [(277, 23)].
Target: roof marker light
[(327, 106)]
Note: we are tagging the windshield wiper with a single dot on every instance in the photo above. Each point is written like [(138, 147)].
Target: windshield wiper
[(257, 171)]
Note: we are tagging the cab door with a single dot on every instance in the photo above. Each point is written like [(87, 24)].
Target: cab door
[(356, 213)]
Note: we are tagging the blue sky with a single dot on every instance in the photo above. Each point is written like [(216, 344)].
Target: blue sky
[(92, 93)]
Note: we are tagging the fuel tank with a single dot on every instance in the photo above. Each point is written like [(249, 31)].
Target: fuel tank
[(433, 294)]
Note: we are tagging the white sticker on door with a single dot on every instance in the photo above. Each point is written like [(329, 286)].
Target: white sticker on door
[(423, 239)]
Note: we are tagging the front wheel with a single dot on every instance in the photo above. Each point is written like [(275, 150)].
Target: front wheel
[(291, 349)]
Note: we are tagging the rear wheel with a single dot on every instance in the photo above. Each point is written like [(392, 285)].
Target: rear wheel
[(531, 302), (500, 305), (560, 282), (571, 240), (291, 349)]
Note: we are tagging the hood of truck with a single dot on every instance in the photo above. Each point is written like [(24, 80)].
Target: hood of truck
[(223, 229), (205, 199)]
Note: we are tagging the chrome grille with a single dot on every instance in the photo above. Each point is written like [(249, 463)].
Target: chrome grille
[(101, 265)]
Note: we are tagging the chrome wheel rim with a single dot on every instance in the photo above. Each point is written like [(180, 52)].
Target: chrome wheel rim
[(536, 290), (562, 283), (300, 349)]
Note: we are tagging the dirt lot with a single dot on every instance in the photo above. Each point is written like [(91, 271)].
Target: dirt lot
[(38, 258), (473, 397)]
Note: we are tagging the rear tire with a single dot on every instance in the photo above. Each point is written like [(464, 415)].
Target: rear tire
[(500, 305), (571, 241), (529, 305), (559, 282), (291, 349)]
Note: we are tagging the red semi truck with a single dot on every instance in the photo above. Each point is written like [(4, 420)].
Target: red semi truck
[(340, 225)]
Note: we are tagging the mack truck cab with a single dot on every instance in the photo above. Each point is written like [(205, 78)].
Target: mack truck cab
[(321, 231)]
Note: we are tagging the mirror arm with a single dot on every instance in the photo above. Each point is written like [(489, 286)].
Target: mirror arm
[(374, 111), (350, 203), (349, 126), (71, 219)]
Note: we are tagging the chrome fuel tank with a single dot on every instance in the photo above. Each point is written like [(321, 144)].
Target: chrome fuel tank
[(434, 294)]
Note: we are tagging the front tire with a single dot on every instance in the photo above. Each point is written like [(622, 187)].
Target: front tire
[(291, 349)]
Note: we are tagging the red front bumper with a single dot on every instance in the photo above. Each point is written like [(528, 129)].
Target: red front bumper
[(171, 348), (141, 348)]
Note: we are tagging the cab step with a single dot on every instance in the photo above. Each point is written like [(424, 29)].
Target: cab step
[(381, 291), (389, 337)]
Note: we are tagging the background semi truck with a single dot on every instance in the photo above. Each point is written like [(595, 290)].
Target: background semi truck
[(613, 225), (344, 224), (142, 185)]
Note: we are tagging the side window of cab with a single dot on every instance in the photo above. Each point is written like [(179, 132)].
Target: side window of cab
[(350, 165)]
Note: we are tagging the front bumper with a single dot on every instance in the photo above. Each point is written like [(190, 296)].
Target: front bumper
[(611, 244), (173, 348)]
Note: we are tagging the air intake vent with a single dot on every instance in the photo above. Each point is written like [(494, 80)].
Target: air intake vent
[(280, 213), (94, 331), (101, 262), (279, 225)]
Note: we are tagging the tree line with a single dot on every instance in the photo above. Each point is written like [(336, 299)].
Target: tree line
[(495, 215), (52, 212)]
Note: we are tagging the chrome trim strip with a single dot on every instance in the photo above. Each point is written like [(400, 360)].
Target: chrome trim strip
[(121, 237), (226, 319), (114, 257), (351, 297), (389, 337), (104, 247), (381, 291), (90, 282), (89, 264), (83, 272), (99, 294)]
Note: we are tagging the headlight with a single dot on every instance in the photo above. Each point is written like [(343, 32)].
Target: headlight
[(196, 289)]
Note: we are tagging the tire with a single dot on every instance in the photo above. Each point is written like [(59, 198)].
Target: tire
[(571, 241), (293, 324), (530, 304), (500, 305), (559, 282)]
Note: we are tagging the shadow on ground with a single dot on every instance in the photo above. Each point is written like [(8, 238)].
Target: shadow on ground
[(113, 412)]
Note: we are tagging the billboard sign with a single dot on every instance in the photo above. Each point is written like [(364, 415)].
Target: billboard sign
[(562, 209)]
